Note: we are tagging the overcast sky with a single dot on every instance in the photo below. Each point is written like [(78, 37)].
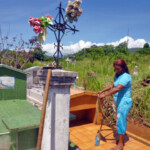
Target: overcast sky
[(102, 21)]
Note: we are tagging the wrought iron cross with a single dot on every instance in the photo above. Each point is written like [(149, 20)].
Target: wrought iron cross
[(59, 28)]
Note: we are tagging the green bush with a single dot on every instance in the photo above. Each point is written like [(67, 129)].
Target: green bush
[(39, 54)]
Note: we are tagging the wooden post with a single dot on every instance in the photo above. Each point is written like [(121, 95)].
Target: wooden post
[(99, 115), (44, 109)]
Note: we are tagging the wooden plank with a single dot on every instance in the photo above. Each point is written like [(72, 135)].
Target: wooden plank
[(77, 95), (98, 114), (41, 128), (75, 91), (91, 93), (82, 103), (85, 100)]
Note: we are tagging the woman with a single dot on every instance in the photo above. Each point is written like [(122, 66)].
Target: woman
[(122, 97)]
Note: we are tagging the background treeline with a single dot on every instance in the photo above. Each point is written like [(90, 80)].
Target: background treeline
[(110, 50)]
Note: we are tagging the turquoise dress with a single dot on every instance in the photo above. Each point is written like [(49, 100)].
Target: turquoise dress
[(123, 101)]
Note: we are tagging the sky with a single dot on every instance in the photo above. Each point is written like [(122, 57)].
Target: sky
[(102, 22)]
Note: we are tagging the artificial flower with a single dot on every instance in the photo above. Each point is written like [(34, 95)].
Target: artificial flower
[(37, 23), (45, 21), (38, 29), (40, 26), (73, 11), (49, 16), (31, 21)]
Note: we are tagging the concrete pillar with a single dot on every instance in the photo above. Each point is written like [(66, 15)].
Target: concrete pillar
[(56, 126)]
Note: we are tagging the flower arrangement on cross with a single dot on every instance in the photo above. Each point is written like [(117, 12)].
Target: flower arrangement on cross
[(40, 26), (73, 11), (58, 26)]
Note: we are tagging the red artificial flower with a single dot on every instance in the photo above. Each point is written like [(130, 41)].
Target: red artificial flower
[(34, 21), (49, 16), (31, 21), (37, 23), (38, 29), (40, 20), (37, 19), (41, 30)]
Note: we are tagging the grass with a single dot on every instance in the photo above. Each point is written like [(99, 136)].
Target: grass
[(99, 73), (94, 75)]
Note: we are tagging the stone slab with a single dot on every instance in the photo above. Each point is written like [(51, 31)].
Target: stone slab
[(59, 77), (19, 109)]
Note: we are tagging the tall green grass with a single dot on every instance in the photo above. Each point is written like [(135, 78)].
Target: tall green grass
[(103, 75), (97, 74)]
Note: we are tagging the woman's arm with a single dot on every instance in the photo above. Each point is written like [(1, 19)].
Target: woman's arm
[(115, 90), (106, 89)]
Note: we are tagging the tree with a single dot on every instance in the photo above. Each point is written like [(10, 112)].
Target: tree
[(122, 48), (39, 54), (146, 45), (144, 51), (108, 49)]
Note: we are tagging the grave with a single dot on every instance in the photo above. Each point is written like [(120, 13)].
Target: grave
[(30, 76), (14, 83), (19, 120), (35, 91)]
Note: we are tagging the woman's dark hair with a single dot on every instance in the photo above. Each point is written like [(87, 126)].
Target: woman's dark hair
[(122, 64)]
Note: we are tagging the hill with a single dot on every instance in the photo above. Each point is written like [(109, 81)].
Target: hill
[(97, 52)]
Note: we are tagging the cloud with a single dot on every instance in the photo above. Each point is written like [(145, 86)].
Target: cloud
[(139, 43), (73, 48)]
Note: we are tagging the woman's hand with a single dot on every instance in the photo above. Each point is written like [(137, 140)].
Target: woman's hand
[(100, 92), (101, 96)]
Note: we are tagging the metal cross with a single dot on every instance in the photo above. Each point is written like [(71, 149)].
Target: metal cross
[(59, 28)]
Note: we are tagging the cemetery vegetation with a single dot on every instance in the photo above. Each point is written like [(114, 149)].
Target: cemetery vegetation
[(95, 70)]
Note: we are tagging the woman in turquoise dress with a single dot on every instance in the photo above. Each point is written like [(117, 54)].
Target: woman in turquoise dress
[(121, 89)]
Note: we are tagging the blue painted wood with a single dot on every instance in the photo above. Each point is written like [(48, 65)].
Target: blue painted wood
[(72, 117)]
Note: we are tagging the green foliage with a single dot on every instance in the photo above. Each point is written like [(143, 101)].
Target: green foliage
[(48, 58), (145, 51), (146, 45), (96, 72), (96, 53), (132, 50), (94, 75), (122, 48), (36, 63), (39, 54), (45, 21)]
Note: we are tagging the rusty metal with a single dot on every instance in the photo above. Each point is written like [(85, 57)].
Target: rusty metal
[(60, 27)]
